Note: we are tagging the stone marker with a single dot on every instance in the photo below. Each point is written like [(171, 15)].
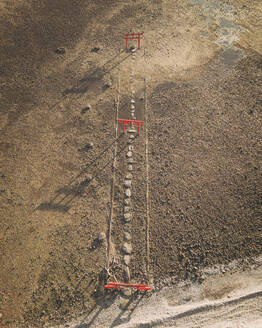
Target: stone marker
[(127, 217), (127, 184), (127, 202), (127, 259), (129, 176), (128, 192), (127, 248), (126, 274), (127, 209)]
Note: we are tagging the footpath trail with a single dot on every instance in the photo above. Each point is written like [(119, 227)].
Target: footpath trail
[(127, 252)]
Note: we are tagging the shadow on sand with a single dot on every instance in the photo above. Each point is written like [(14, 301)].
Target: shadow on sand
[(64, 196), (105, 302)]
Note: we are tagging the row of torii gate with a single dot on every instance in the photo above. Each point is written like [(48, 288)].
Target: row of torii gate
[(138, 124)]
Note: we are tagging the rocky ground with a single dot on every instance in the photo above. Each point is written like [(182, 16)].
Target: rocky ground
[(63, 77)]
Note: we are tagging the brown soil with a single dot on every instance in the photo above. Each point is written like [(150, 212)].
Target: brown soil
[(204, 134)]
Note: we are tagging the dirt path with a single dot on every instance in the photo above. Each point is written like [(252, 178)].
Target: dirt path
[(129, 213)]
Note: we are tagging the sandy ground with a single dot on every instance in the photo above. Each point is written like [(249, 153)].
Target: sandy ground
[(223, 301), (200, 71)]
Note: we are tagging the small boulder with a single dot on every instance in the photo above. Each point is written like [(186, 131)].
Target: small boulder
[(127, 248), (101, 237), (130, 167), (129, 154), (95, 49), (85, 109), (89, 177), (129, 175), (127, 217), (127, 202), (108, 84), (127, 184), (128, 192), (127, 259), (60, 51), (126, 274), (130, 160), (127, 209), (89, 145)]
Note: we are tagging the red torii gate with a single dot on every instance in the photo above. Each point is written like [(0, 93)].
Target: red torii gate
[(130, 122), (116, 285), (133, 36)]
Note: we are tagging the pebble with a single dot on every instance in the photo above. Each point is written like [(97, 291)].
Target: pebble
[(127, 236), (128, 192), (129, 154), (127, 201), (127, 217), (129, 176), (127, 248), (127, 259), (130, 167), (127, 183), (127, 209), (130, 160)]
